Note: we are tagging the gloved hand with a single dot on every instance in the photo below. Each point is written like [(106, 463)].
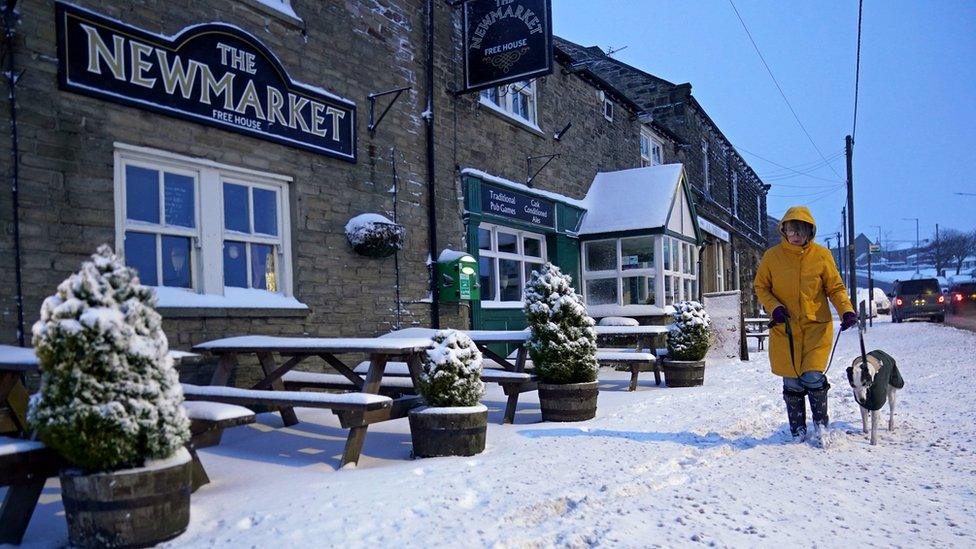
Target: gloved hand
[(848, 321), (780, 315)]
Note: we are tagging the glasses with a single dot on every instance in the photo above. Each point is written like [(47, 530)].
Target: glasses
[(797, 232)]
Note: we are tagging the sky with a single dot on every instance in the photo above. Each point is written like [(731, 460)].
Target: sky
[(916, 120)]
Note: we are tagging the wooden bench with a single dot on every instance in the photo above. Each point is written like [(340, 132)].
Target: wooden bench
[(760, 338), (25, 465), (394, 387), (207, 423), (512, 383), (630, 359)]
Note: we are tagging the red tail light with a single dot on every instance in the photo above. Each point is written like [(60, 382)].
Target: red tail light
[(941, 299), (899, 302), (957, 297)]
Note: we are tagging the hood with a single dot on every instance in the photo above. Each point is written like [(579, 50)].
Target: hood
[(798, 213)]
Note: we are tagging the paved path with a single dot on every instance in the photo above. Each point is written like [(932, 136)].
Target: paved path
[(967, 322)]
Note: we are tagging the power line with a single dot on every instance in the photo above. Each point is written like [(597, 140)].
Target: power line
[(835, 181), (799, 169), (857, 70), (788, 104)]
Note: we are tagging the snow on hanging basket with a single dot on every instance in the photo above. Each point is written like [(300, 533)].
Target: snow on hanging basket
[(373, 235)]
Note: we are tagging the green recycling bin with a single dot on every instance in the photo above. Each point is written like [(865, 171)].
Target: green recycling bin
[(458, 277)]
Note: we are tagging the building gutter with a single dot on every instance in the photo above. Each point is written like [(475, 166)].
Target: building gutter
[(428, 115), (9, 17)]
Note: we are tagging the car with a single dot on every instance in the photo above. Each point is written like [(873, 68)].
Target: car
[(919, 298), (962, 297)]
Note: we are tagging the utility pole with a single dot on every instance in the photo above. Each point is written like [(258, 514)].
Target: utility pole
[(845, 264), (840, 258), (938, 252), (916, 239), (852, 277)]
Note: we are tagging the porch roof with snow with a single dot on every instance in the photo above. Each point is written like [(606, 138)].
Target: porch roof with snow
[(653, 198)]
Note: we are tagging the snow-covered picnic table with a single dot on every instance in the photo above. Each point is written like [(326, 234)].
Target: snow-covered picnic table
[(14, 361), (483, 338), (356, 410)]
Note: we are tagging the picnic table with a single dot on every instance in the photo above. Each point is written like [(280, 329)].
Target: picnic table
[(483, 339), (758, 329), (356, 410), (14, 362)]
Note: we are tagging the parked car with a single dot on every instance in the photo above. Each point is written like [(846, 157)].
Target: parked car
[(962, 297), (919, 298)]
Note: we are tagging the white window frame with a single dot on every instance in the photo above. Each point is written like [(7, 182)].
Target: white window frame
[(494, 255), (207, 249), (619, 273), (686, 270), (759, 210), (651, 149), (706, 185), (252, 237), (608, 109), (506, 101)]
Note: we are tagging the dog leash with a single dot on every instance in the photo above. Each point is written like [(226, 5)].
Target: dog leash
[(830, 361)]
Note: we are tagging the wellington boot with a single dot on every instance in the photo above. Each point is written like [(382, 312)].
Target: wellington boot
[(796, 412)]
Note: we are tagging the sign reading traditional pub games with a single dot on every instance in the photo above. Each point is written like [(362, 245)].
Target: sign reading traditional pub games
[(506, 41), (511, 204), (213, 73)]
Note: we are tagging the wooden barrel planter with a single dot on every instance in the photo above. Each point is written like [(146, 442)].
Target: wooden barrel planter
[(128, 508), (568, 402), (683, 373), (454, 431)]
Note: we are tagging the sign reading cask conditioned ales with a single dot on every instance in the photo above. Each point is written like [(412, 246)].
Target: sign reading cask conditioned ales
[(506, 41), (214, 73), (502, 202)]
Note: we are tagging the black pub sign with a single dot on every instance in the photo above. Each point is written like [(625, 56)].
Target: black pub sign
[(212, 73), (511, 204), (506, 41)]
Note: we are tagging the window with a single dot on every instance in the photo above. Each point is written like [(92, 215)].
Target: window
[(619, 271), (706, 186), (516, 100), (680, 270), (651, 149), (608, 109), (202, 226), (735, 193), (506, 260)]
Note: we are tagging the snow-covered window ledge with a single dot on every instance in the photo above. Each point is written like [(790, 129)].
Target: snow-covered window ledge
[(236, 302), (280, 9), (509, 117)]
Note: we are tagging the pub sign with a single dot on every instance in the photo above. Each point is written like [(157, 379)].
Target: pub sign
[(511, 204), (213, 73), (506, 41)]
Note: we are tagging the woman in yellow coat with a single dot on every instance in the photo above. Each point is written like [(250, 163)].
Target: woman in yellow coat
[(794, 281)]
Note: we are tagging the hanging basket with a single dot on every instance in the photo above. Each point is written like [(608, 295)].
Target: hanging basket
[(373, 235)]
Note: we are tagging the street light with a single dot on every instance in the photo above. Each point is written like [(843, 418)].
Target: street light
[(916, 239)]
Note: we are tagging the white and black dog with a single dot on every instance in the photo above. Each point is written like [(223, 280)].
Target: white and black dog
[(875, 381)]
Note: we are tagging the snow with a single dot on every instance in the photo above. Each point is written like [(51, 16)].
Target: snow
[(9, 446), (618, 321), (214, 411), (213, 391), (315, 343), (359, 227), (659, 466), (233, 298), (452, 255), (611, 206), (17, 356), (280, 6), (521, 187), (630, 330), (437, 410)]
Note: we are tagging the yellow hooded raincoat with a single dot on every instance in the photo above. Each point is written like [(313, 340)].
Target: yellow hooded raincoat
[(801, 278)]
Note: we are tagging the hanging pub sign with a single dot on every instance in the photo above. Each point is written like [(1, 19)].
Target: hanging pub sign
[(510, 204), (506, 41), (214, 73)]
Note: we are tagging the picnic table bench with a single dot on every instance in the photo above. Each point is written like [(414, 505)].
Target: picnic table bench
[(25, 465), (356, 410), (207, 423), (638, 359)]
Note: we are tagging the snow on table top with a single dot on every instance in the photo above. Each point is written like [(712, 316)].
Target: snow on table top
[(312, 344), (397, 368), (18, 359), (215, 411), (624, 355), (631, 330), (297, 396), (478, 336), (10, 446)]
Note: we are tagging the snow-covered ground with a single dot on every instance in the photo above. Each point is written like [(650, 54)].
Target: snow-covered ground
[(658, 467)]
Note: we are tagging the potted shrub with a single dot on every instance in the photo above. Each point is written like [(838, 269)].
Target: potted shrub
[(373, 235), (110, 404), (688, 340), (454, 422), (562, 346)]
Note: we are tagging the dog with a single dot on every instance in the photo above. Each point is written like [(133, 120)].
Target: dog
[(875, 381)]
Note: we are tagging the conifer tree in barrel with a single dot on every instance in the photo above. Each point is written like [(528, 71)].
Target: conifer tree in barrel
[(688, 339), (562, 346), (110, 404)]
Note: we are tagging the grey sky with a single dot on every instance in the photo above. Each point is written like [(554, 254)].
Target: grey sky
[(916, 129)]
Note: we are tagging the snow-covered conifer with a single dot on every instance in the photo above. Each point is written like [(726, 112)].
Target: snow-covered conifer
[(563, 343), (451, 371), (689, 336), (109, 396)]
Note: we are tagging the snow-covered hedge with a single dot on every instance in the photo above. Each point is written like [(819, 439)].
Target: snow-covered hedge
[(451, 371), (109, 396), (689, 335), (374, 235), (563, 343)]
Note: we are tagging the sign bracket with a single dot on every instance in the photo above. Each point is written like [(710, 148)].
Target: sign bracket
[(528, 160), (372, 106)]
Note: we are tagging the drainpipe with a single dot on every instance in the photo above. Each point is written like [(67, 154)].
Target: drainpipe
[(435, 314), (8, 36)]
